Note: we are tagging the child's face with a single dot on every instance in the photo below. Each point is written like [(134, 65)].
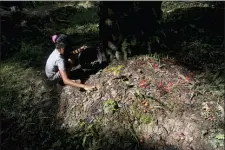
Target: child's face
[(61, 51)]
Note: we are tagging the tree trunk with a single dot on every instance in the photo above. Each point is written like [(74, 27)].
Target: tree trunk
[(125, 26)]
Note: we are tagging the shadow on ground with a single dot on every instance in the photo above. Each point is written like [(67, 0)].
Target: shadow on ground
[(28, 124), (195, 37), (33, 124)]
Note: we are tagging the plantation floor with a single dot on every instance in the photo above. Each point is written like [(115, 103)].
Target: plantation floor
[(166, 101)]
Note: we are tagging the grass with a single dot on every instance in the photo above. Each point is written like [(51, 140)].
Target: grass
[(17, 100), (82, 29), (29, 104)]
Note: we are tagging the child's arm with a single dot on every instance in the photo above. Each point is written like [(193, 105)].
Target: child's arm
[(79, 49), (67, 81)]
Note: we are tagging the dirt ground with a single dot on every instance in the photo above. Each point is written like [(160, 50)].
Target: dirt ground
[(161, 102)]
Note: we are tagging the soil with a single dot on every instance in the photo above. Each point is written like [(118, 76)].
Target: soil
[(174, 108)]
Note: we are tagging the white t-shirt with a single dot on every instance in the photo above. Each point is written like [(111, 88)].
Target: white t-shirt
[(54, 63)]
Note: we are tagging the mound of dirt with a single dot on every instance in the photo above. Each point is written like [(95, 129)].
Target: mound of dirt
[(157, 100)]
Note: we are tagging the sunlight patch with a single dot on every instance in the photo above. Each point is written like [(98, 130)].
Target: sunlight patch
[(87, 28)]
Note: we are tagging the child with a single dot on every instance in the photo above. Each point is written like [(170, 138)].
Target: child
[(55, 68)]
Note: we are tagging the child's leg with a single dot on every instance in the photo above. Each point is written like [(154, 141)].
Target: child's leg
[(57, 78)]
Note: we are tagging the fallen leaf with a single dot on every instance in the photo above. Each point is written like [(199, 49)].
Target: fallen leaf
[(187, 78), (145, 110), (182, 134), (220, 136), (211, 118), (155, 66), (160, 85), (170, 84), (166, 90), (191, 74), (143, 83), (57, 143), (146, 104), (143, 102)]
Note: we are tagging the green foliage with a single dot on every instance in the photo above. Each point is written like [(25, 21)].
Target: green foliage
[(116, 70), (146, 119), (30, 54), (220, 136), (82, 29), (56, 144), (169, 6), (110, 106), (216, 138), (154, 39), (124, 45), (133, 41)]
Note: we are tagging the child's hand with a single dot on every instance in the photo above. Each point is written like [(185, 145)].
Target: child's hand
[(83, 47), (79, 49), (89, 88)]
